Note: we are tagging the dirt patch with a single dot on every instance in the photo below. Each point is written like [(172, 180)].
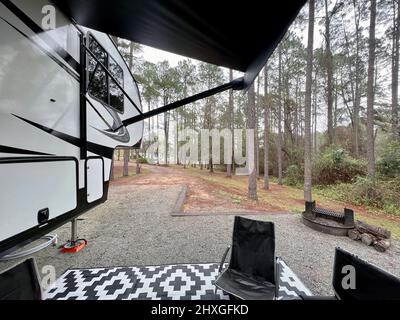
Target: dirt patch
[(209, 193), (202, 195)]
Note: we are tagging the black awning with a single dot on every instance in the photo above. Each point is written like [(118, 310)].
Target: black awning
[(238, 35)]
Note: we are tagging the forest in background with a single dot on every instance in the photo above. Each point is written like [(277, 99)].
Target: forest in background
[(325, 108)]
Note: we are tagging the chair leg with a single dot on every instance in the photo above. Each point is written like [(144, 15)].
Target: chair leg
[(221, 265), (231, 297)]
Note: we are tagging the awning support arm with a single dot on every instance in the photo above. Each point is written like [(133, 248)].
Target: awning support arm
[(236, 84)]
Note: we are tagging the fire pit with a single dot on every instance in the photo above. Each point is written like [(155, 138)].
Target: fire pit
[(327, 221)]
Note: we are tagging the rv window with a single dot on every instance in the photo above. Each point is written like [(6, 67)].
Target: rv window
[(98, 86), (116, 95), (101, 86)]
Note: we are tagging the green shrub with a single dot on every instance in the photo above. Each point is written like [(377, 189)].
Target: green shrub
[(293, 175), (143, 160), (332, 166), (367, 192), (380, 194), (389, 162), (391, 191), (335, 165)]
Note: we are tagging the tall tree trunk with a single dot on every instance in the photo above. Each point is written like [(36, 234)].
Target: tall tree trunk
[(395, 72), (335, 108), (315, 113), (251, 124), (230, 112), (256, 131), (166, 132), (370, 92), (296, 112), (112, 167), (177, 138), (329, 71), (126, 162), (286, 116), (209, 126), (158, 149), (279, 137), (194, 128), (307, 107), (138, 168), (357, 100), (149, 123), (266, 130)]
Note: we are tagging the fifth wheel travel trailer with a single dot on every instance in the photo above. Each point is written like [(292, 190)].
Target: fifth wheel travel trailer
[(68, 99), (60, 117)]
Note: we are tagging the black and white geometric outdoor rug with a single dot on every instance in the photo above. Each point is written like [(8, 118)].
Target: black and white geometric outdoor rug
[(167, 282)]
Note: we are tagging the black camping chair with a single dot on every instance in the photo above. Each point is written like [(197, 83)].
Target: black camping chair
[(251, 273), (355, 279), (21, 282), (370, 282)]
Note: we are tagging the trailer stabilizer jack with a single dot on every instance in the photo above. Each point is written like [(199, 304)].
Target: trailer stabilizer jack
[(74, 245)]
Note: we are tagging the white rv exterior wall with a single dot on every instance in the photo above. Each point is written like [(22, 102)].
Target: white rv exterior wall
[(39, 97), (28, 188)]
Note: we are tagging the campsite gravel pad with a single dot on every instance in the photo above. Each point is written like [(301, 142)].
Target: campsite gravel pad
[(168, 282)]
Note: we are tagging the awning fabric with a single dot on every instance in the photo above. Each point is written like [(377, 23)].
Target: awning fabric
[(236, 34)]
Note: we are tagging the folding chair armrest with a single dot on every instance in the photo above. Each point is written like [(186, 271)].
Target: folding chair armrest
[(221, 265)]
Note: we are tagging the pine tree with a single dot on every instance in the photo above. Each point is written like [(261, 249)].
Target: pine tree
[(370, 92), (307, 116)]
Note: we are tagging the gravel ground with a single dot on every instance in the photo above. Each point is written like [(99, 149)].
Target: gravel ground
[(135, 228)]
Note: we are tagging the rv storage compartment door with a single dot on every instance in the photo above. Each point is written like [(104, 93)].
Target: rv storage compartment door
[(94, 179), (32, 188)]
